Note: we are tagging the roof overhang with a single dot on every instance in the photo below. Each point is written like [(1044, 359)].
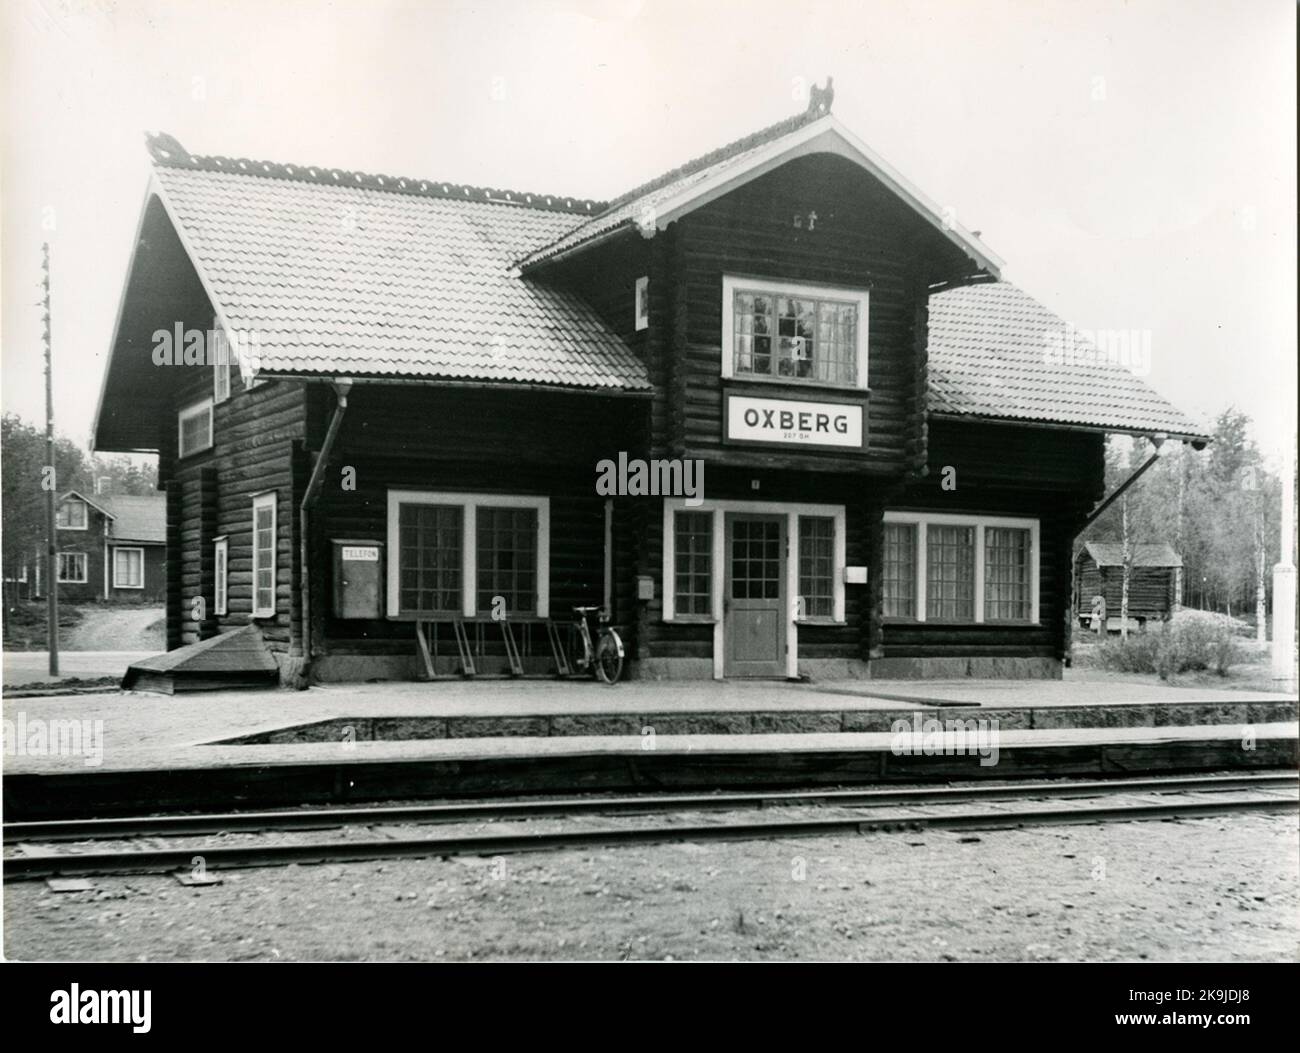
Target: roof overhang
[(1198, 441), (78, 494), (824, 135)]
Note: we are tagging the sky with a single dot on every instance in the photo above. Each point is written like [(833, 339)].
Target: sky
[(1133, 163)]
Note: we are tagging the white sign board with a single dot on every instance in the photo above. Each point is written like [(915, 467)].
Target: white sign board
[(794, 421), (361, 553)]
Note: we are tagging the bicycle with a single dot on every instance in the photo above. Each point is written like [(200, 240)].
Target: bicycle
[(605, 658)]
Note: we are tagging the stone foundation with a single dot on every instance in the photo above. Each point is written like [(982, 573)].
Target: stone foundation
[(962, 668)]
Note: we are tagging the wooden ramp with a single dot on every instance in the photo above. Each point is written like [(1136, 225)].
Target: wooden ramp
[(238, 658)]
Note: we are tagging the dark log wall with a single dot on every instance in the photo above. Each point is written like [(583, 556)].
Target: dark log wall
[(255, 434), (1053, 475), (863, 237), (431, 438)]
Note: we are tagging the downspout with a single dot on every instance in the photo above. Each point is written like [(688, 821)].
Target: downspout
[(341, 389)]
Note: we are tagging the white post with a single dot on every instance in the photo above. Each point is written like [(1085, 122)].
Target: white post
[(1284, 592)]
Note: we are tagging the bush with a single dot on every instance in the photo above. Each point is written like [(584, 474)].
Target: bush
[(1190, 641)]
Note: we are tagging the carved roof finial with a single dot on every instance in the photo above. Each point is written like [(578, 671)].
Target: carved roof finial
[(820, 99)]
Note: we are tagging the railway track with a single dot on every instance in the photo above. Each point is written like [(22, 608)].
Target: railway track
[(858, 811)]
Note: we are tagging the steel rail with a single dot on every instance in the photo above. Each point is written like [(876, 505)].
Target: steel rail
[(134, 861), (332, 818)]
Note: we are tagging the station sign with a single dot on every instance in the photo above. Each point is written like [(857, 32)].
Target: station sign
[(794, 422)]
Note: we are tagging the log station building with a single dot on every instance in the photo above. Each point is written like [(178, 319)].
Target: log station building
[(898, 450)]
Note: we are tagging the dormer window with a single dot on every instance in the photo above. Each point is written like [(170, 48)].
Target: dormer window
[(803, 334), (72, 514)]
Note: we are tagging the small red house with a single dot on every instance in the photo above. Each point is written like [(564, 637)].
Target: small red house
[(110, 548)]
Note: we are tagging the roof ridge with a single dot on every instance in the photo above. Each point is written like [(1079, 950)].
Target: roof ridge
[(167, 152), (818, 107)]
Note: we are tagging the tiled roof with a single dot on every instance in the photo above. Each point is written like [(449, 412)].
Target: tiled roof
[(1111, 554), (362, 277), (137, 518), (996, 352)]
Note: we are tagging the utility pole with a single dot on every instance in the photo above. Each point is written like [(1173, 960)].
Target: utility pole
[(51, 537), (1284, 581)]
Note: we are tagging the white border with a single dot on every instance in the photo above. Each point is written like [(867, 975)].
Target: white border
[(733, 282), (921, 519), (115, 549), (85, 569), (469, 503), (792, 511), (187, 412), (221, 574), (268, 499)]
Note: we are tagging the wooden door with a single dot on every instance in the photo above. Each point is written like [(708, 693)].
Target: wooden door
[(755, 608)]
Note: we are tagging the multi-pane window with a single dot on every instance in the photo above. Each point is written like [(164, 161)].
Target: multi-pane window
[(128, 568), (196, 428), (794, 337), (71, 515), (507, 558), (817, 566), (898, 572), (1006, 574), (950, 573), (430, 539), (220, 561), (72, 567), (693, 553), (264, 555), (956, 568), (756, 559)]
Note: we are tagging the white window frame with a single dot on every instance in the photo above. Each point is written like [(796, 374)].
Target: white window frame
[(731, 283), (22, 576), (85, 513), (921, 520), (188, 413), (85, 569), (222, 354), (265, 500), (469, 504), (642, 304), (792, 511), (127, 548), (220, 574)]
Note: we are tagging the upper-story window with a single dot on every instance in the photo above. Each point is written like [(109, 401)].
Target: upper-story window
[(795, 333), (221, 356), (72, 515), (195, 424)]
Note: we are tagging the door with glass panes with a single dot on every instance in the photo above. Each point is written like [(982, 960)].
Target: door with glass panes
[(754, 602)]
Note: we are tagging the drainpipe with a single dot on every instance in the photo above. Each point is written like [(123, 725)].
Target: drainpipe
[(341, 389)]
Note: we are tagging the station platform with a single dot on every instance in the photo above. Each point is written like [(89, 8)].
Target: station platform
[(146, 731), (382, 741)]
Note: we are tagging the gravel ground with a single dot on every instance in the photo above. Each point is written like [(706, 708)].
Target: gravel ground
[(126, 628), (1221, 889)]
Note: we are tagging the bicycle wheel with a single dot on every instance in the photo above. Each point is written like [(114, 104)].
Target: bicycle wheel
[(609, 657)]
